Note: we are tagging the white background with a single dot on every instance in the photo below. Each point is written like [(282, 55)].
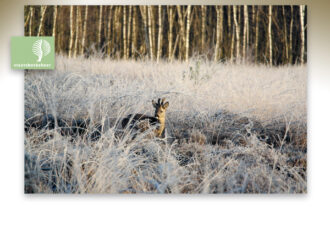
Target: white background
[(19, 211)]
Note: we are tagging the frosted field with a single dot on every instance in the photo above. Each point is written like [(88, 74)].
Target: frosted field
[(230, 128)]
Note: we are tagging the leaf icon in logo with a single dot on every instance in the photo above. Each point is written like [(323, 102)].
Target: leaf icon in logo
[(41, 48)]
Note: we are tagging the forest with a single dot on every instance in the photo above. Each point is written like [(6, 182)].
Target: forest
[(273, 35)]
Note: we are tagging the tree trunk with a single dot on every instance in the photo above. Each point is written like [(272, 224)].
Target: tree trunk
[(237, 33), (153, 30), (61, 45), (187, 33), (31, 20), (286, 48), (109, 32), (203, 27), (100, 27), (160, 39), (134, 32), (231, 35), (118, 38), (71, 32), (27, 15), (124, 33), (129, 30), (290, 36), (217, 45), (82, 50), (253, 15), (270, 45), (170, 32), (143, 10), (175, 45), (229, 18), (246, 31), (41, 25), (150, 33), (232, 45), (221, 32), (239, 16), (257, 37), (54, 21), (26, 18), (182, 29), (302, 33), (77, 31)]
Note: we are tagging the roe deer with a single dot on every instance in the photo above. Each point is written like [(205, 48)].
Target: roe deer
[(143, 122), (73, 127)]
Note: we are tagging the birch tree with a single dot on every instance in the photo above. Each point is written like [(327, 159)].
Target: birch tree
[(150, 33), (187, 33), (83, 41), (231, 34), (290, 36), (129, 30), (270, 45), (182, 30), (42, 18), (77, 31), (100, 27), (109, 31), (170, 31), (124, 32), (71, 32), (256, 36), (229, 18), (54, 21), (286, 48), (31, 20), (153, 30), (246, 31), (302, 33), (237, 29), (160, 39), (143, 10), (217, 45), (60, 33), (27, 17), (221, 31), (134, 32), (203, 27), (118, 38)]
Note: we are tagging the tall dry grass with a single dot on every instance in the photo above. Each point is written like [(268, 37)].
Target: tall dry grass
[(231, 128)]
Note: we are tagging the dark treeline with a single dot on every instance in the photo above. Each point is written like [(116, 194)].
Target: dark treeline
[(273, 35)]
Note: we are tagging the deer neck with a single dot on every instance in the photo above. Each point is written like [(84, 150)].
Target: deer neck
[(159, 130)]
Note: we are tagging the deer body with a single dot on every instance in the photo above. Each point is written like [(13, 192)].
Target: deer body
[(73, 127), (143, 122)]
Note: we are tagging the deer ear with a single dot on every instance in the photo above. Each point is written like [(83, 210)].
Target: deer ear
[(166, 105), (154, 103)]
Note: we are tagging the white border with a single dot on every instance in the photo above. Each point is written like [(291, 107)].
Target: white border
[(21, 211)]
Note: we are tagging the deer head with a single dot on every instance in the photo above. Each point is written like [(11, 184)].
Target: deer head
[(160, 109)]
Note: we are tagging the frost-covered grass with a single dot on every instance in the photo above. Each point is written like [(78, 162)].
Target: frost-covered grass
[(231, 128)]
